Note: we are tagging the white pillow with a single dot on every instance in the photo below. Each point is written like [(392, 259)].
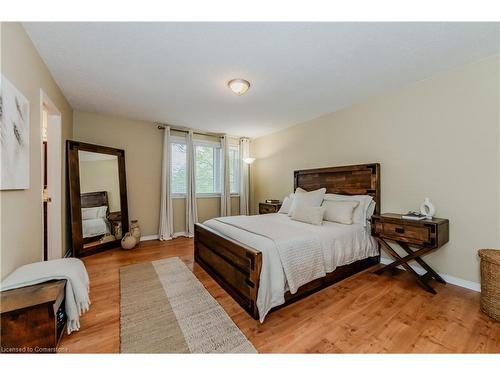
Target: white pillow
[(89, 213), (101, 213), (360, 212), (286, 205), (310, 199), (339, 211), (308, 214), (370, 210), (287, 201)]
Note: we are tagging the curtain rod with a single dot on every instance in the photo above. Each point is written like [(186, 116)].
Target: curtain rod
[(186, 130)]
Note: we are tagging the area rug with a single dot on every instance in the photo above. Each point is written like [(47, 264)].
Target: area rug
[(165, 309)]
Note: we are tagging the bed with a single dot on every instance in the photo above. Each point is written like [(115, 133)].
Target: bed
[(237, 251), (94, 228)]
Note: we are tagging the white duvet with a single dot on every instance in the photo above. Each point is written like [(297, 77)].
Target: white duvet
[(339, 245)]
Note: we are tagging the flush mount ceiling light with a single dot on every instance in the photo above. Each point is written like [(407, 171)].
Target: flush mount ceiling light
[(239, 86)]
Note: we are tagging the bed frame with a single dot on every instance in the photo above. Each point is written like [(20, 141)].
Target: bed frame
[(94, 199), (236, 267)]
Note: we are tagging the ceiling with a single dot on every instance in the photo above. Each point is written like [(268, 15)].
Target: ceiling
[(177, 73)]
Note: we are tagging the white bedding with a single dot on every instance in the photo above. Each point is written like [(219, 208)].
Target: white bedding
[(300, 252), (94, 227), (340, 244)]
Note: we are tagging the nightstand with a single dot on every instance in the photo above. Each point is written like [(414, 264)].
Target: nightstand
[(416, 237), (269, 208)]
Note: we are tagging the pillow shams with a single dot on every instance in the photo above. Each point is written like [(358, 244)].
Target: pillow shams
[(360, 212), (370, 210), (288, 201), (310, 199), (102, 212), (310, 215), (286, 205), (339, 211), (89, 213)]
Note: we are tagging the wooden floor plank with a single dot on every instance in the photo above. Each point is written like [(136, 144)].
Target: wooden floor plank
[(365, 313)]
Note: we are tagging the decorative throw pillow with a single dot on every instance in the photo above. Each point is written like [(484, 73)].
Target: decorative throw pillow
[(310, 199), (287, 201), (360, 212), (339, 211), (308, 214)]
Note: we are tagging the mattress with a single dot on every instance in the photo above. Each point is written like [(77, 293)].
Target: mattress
[(340, 245)]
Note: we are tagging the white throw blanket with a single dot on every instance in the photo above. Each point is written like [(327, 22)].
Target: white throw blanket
[(70, 269), (300, 250)]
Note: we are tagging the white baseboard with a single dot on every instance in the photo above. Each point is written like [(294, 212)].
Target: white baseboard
[(449, 279), (150, 237), (179, 234), (156, 236)]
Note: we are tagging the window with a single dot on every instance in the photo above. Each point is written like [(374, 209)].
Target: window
[(208, 167), (178, 168)]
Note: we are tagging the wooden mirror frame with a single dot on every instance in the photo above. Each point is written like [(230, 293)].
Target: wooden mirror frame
[(73, 173)]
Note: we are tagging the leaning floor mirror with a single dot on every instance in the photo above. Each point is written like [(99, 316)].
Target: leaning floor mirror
[(98, 197)]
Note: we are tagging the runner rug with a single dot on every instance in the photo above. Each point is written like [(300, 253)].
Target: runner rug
[(165, 309)]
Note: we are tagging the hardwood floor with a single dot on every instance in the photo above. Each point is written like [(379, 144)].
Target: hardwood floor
[(366, 313)]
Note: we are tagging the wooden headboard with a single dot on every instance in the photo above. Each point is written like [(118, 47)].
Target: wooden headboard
[(94, 199), (361, 179)]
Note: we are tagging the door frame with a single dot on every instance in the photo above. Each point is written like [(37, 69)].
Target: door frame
[(54, 177)]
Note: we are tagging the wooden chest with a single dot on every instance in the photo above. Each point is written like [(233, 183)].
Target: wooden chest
[(32, 318)]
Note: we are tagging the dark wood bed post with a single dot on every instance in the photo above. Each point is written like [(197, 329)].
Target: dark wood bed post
[(236, 267)]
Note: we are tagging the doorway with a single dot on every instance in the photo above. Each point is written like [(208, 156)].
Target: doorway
[(51, 184)]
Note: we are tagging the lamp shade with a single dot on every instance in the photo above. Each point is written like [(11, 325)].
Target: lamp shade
[(248, 160)]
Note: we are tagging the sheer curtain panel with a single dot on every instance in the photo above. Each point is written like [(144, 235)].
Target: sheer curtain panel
[(191, 207), (225, 195), (244, 177), (166, 229)]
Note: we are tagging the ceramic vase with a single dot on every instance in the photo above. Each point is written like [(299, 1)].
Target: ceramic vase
[(135, 230), (118, 231), (427, 208), (128, 241)]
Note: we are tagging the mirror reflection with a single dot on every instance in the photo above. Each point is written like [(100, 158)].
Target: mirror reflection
[(100, 198)]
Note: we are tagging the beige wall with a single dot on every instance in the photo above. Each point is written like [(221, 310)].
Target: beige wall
[(21, 210), (208, 208), (438, 138), (101, 175), (142, 142)]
